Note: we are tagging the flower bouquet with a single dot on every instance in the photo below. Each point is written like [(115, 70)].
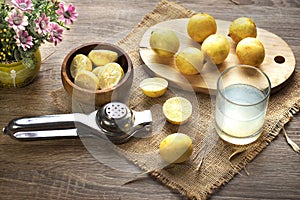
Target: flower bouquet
[(24, 26)]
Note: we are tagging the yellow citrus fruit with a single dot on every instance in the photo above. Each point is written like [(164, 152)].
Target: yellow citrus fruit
[(200, 26), (164, 42), (241, 28), (250, 51), (216, 46), (87, 80), (80, 62), (98, 70), (189, 61), (102, 57), (177, 110), (110, 75), (154, 87), (176, 148)]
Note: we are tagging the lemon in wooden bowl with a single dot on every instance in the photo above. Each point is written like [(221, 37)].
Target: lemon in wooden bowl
[(90, 94)]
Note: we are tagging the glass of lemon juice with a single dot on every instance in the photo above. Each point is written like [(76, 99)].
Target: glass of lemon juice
[(242, 99)]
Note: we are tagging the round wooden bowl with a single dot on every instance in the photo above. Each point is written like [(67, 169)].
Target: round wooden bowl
[(98, 97)]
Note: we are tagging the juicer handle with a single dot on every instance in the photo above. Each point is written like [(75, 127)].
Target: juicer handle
[(42, 127)]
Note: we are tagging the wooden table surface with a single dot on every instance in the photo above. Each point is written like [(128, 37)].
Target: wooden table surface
[(64, 169)]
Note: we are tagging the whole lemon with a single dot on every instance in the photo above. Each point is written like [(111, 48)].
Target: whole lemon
[(164, 42), (200, 26), (216, 46), (176, 148), (189, 61), (250, 51), (241, 28)]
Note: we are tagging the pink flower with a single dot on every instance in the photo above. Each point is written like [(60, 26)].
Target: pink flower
[(55, 33), (17, 20), (67, 15), (24, 5), (24, 40), (42, 24)]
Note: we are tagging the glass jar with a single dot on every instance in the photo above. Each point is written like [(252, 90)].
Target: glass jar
[(21, 73)]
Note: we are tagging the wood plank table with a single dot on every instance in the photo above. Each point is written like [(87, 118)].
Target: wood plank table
[(64, 169)]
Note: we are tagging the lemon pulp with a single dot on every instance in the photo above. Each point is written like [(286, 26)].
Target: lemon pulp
[(177, 110), (110, 75), (80, 62), (87, 80), (154, 87)]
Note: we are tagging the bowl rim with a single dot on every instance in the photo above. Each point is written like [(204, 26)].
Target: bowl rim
[(73, 85)]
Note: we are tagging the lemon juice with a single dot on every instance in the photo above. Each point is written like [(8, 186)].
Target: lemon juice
[(240, 111)]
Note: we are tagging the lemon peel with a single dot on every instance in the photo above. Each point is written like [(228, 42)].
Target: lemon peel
[(241, 28), (250, 51), (216, 46), (189, 61), (176, 148), (164, 42), (200, 26)]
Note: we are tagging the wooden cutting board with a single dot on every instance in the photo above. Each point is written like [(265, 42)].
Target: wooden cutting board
[(279, 63)]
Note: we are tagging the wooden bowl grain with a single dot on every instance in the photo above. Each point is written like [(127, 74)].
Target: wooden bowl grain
[(120, 92)]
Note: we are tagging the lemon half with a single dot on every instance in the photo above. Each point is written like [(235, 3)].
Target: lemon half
[(87, 80), (102, 57), (80, 62), (98, 70), (154, 87), (110, 75), (177, 110)]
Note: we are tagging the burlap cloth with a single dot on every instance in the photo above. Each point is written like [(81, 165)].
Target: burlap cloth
[(216, 168)]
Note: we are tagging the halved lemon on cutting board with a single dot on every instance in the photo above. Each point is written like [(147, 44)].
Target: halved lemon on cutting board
[(154, 87), (177, 110)]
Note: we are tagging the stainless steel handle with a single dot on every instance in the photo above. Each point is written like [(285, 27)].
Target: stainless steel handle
[(66, 125), (42, 126)]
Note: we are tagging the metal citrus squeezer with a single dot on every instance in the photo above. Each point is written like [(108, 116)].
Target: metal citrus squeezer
[(114, 121)]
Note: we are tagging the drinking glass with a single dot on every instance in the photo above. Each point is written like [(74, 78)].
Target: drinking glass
[(242, 98)]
